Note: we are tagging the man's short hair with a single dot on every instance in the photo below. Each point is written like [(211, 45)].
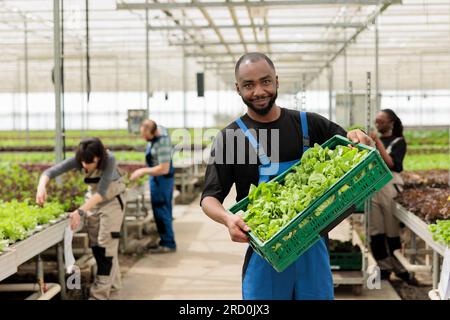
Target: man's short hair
[(149, 125), (253, 57)]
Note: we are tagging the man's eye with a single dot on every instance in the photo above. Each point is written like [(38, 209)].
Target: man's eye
[(266, 81), (247, 86)]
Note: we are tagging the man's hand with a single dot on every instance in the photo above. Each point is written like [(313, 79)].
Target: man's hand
[(237, 228), (357, 136), (41, 195), (74, 219), (137, 174)]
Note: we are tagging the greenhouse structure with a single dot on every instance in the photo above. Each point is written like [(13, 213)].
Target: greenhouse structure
[(224, 150)]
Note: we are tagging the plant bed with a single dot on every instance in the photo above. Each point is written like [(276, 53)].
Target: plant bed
[(20, 220), (429, 204), (427, 137), (19, 183), (428, 150), (441, 231), (426, 161)]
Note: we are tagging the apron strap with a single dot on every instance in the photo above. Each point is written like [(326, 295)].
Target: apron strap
[(304, 125), (263, 158), (391, 145)]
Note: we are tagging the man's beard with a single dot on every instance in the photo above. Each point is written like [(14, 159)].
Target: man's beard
[(266, 109)]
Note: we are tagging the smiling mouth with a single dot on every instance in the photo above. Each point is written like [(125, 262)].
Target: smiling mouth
[(261, 101)]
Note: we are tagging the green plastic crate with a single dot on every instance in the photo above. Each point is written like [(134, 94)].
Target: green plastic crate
[(303, 231), (346, 260), (359, 208)]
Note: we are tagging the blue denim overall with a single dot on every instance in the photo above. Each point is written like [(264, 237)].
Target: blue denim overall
[(308, 278), (161, 192)]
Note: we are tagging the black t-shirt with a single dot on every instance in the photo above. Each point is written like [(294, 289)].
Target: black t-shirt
[(234, 160), (398, 151)]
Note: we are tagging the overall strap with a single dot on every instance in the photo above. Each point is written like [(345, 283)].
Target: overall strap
[(263, 158), (148, 147), (304, 125)]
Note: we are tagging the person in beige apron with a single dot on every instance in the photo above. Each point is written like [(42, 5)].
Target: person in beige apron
[(384, 228), (103, 208)]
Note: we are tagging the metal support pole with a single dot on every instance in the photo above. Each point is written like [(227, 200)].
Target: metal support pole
[(414, 248), (27, 111), (57, 78), (83, 124), (377, 69), (147, 62), (368, 107), (218, 92), (346, 93), (330, 93), (436, 269), (40, 274), (88, 66), (366, 220), (61, 270), (351, 102), (63, 109), (16, 101), (303, 95), (296, 98), (421, 89), (205, 110), (319, 93), (184, 73), (117, 89), (397, 83)]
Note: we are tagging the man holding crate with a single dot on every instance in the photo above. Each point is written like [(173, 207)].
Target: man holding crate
[(258, 146)]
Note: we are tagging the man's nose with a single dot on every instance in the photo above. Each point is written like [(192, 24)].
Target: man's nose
[(258, 91)]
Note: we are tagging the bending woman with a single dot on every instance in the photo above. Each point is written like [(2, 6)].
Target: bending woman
[(103, 208)]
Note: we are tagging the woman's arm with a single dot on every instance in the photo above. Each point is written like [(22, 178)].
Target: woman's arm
[(50, 173), (41, 194), (380, 147)]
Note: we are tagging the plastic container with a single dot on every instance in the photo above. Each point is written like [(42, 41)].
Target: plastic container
[(324, 213)]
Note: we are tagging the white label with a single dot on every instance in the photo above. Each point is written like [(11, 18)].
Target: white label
[(444, 283)]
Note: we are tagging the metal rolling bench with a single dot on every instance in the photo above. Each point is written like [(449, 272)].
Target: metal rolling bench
[(419, 228), (24, 250), (136, 212), (185, 178)]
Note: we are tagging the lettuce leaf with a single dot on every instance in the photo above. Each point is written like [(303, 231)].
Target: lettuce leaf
[(273, 205)]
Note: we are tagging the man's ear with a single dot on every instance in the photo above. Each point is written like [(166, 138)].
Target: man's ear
[(237, 88)]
